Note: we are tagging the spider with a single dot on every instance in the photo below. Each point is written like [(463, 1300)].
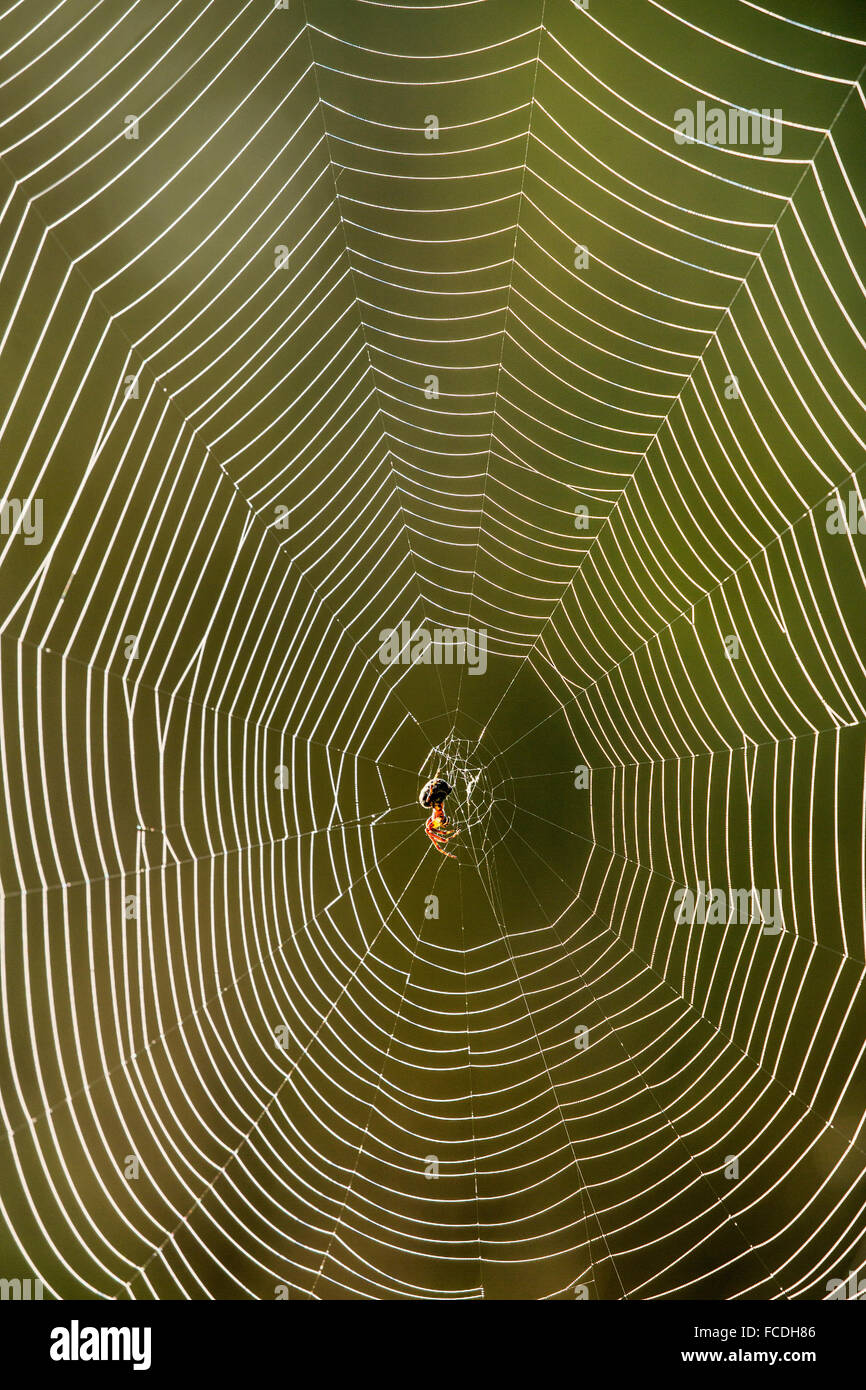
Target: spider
[(438, 829)]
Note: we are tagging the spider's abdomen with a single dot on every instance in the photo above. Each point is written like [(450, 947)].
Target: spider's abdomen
[(437, 790)]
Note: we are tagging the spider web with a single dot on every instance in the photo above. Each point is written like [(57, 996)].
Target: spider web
[(239, 1056)]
